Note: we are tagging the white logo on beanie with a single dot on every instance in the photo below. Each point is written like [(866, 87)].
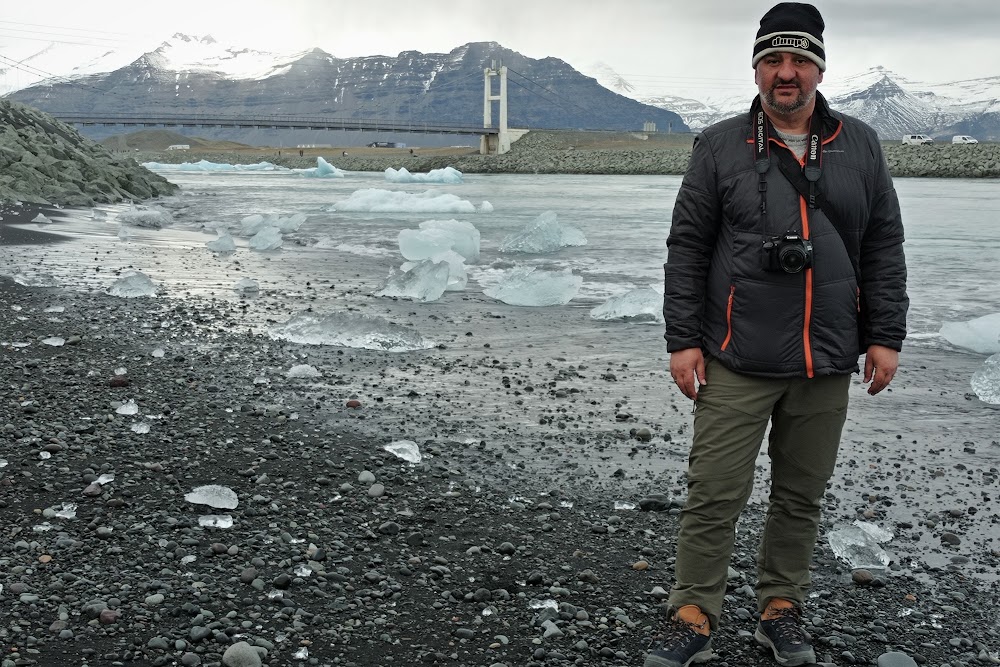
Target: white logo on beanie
[(794, 42)]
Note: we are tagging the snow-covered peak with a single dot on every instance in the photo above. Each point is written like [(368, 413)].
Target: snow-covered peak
[(187, 53), (609, 78)]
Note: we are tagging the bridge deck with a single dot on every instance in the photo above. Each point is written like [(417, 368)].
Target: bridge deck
[(271, 122)]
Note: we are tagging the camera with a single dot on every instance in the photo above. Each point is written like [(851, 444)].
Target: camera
[(789, 253)]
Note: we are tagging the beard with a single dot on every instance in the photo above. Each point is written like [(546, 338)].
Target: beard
[(800, 101)]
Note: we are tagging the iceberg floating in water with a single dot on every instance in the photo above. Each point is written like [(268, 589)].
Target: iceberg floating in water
[(205, 165), (213, 495), (528, 286), (543, 234), (41, 219), (349, 330), (979, 335), (323, 169), (402, 175), (424, 281), (376, 200), (986, 380), (439, 236), (254, 224), (132, 284), (638, 305), (858, 545)]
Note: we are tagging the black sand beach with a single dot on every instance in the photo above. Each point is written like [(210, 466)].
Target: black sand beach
[(503, 548)]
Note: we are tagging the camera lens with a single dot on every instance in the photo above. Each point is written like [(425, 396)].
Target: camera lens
[(792, 258)]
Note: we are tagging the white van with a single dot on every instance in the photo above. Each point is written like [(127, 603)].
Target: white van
[(964, 139), (917, 139)]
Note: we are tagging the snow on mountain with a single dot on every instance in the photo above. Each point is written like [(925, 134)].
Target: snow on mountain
[(889, 102), (180, 53), (184, 53)]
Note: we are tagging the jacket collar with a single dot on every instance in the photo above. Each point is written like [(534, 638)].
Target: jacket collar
[(830, 123)]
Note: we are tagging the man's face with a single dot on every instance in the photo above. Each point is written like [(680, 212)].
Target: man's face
[(787, 81)]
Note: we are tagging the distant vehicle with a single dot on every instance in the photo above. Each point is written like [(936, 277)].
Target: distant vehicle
[(386, 144), (964, 139), (917, 139), (179, 147)]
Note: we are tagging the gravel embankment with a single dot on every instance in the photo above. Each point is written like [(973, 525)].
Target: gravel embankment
[(44, 161), (340, 550), (556, 153)]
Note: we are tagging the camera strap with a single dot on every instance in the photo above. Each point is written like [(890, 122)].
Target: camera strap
[(804, 178)]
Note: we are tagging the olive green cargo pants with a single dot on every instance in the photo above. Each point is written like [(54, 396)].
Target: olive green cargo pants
[(731, 417)]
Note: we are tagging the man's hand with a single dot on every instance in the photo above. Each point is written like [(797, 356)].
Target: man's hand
[(880, 366), (685, 365)]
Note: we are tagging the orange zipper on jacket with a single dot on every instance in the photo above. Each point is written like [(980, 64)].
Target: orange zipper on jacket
[(806, 340), (729, 318)]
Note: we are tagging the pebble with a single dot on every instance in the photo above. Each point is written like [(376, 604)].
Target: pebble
[(241, 654)]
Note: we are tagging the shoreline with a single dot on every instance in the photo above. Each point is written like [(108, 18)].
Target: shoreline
[(598, 153), (347, 551)]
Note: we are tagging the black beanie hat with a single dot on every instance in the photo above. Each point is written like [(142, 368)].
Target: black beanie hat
[(793, 27)]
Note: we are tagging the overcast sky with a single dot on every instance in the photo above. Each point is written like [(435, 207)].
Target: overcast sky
[(653, 43)]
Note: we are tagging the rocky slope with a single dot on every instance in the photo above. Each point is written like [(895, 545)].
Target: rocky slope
[(44, 161)]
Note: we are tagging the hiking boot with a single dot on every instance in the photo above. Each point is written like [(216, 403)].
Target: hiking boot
[(681, 644), (785, 636)]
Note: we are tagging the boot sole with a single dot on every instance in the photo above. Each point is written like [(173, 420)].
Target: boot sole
[(704, 655), (804, 659)]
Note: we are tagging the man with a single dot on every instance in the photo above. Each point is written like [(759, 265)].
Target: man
[(785, 264)]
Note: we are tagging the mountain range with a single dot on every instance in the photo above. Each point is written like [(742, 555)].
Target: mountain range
[(197, 75), (187, 74), (891, 103)]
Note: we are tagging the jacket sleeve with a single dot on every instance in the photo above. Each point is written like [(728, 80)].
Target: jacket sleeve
[(883, 266), (693, 230)]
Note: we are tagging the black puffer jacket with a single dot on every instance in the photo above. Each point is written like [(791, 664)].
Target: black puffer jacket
[(816, 322)]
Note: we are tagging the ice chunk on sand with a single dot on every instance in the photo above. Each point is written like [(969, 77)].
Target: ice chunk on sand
[(446, 175), (349, 330), (289, 224), (424, 281), (543, 234), (638, 305), (36, 280), (405, 449), (129, 407), (986, 380), (377, 200), (213, 495), (323, 169), (438, 236), (303, 371), (252, 224), (858, 545), (223, 245), (458, 277), (215, 521), (54, 341), (132, 284), (151, 218), (528, 286), (41, 219), (979, 335), (269, 238), (246, 286)]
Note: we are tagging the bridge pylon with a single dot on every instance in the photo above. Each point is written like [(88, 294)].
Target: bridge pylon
[(500, 143)]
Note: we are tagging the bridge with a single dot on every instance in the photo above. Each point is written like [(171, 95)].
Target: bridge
[(492, 139), (269, 123)]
